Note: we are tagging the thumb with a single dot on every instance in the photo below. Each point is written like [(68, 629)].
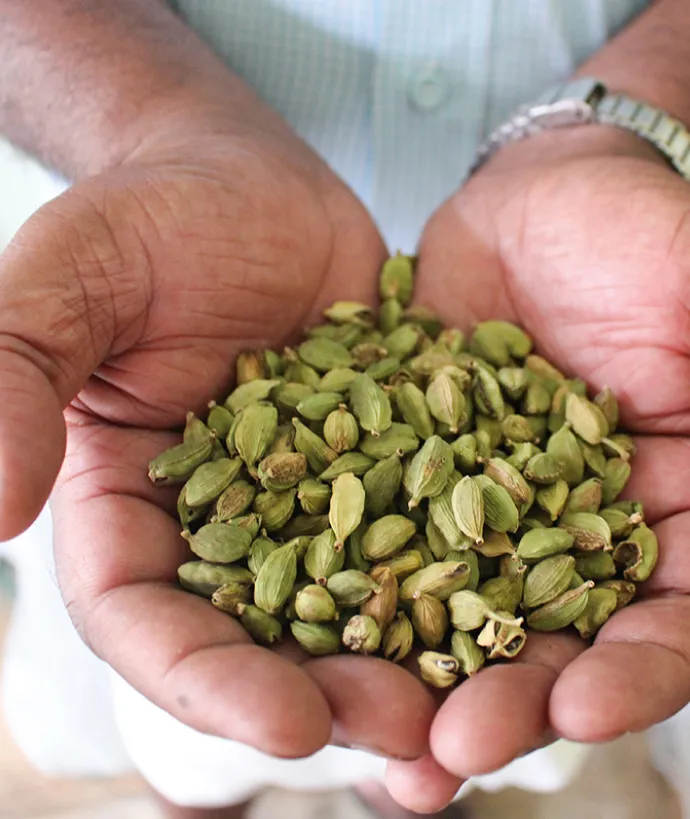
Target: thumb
[(58, 319)]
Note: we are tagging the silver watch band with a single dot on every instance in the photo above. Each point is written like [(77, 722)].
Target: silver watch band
[(584, 101)]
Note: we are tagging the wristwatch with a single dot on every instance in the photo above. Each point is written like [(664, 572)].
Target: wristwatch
[(586, 100)]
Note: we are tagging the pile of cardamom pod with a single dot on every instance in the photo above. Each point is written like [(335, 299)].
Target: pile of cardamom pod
[(391, 481)]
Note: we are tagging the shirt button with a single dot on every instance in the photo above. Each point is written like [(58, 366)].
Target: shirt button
[(428, 88)]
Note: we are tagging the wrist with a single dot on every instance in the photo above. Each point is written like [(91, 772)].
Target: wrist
[(557, 145)]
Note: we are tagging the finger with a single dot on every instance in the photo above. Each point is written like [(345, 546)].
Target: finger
[(462, 279), (660, 476), (375, 705), (117, 557), (636, 674), (422, 786), (502, 711), (62, 304)]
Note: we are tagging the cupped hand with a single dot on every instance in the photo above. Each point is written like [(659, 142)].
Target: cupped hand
[(125, 301), (582, 237)]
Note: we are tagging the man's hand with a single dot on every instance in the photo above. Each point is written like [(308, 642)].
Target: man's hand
[(127, 300), (582, 237)]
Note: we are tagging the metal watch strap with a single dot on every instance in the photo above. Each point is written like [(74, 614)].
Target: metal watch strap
[(667, 134), (586, 101)]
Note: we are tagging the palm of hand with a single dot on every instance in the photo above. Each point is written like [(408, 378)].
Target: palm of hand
[(591, 256), (165, 271)]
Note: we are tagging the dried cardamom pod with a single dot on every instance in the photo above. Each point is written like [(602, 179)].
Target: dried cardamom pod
[(562, 610), (231, 595), (429, 620), (553, 498), (206, 578), (547, 580), (397, 278), (314, 604), (595, 565), (341, 430), (317, 452), (275, 508), (255, 432), (468, 508), (616, 474), (219, 542), (381, 485), (323, 557), (281, 471), (586, 419), (250, 393), (275, 579), (352, 588), (540, 543), (370, 404), (387, 536), (398, 638), (263, 628), (601, 603), (260, 549), (469, 655), (439, 670), (178, 463), (500, 512), (398, 438), (382, 605), (362, 634), (586, 497), (234, 501), (324, 354), (589, 531), (638, 554), (355, 462), (428, 472), (439, 580), (412, 404), (347, 507), (315, 638), (314, 496)]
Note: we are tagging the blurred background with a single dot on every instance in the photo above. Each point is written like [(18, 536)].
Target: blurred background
[(636, 777)]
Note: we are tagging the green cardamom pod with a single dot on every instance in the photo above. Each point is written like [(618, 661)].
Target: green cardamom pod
[(275, 579), (562, 610), (324, 354), (429, 620), (260, 549), (341, 430), (382, 484), (219, 542), (250, 393), (439, 670), (370, 405), (314, 496), (398, 438), (396, 280), (354, 462), (412, 404), (638, 554), (586, 497), (469, 655), (281, 471), (564, 448), (234, 501), (338, 379), (262, 627), (586, 418), (351, 588), (347, 506), (595, 565), (540, 543), (547, 580), (315, 638), (362, 634), (317, 452), (387, 536), (230, 596), (398, 638), (589, 531), (323, 557), (438, 580), (468, 508), (314, 604), (206, 578), (616, 474), (275, 508), (178, 463), (428, 472)]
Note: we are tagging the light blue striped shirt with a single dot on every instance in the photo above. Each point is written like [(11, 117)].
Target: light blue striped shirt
[(397, 94)]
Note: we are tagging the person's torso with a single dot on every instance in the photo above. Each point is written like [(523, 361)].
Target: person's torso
[(396, 95)]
